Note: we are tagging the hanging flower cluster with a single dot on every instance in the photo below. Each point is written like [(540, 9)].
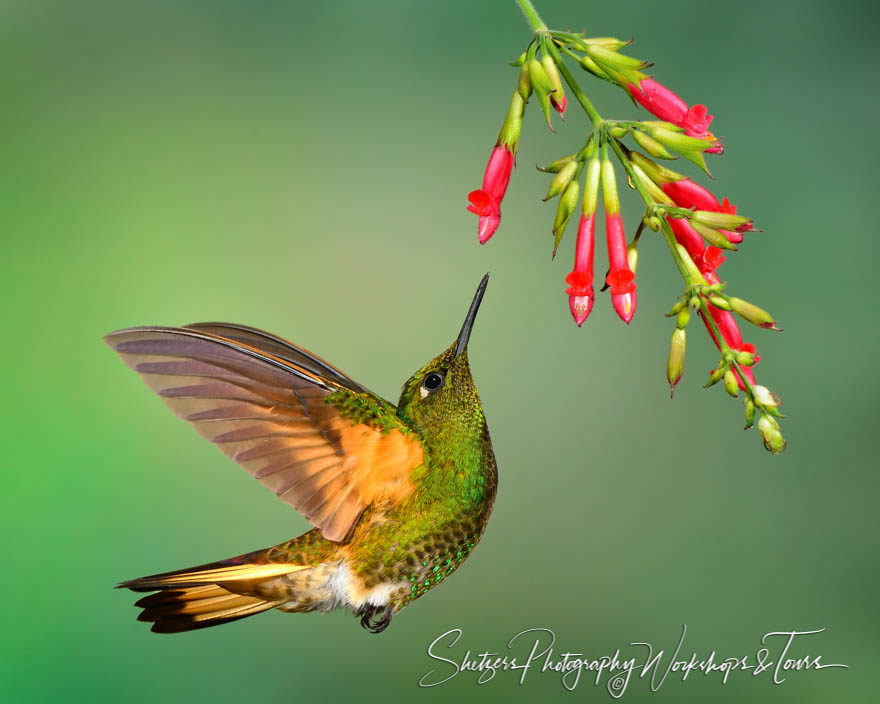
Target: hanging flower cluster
[(697, 227)]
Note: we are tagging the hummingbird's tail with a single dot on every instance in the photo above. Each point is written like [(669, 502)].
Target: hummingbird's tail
[(208, 595)]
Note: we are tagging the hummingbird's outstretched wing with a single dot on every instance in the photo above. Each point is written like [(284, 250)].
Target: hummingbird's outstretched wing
[(305, 430)]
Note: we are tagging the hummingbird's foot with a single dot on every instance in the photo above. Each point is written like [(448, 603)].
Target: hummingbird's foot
[(373, 624)]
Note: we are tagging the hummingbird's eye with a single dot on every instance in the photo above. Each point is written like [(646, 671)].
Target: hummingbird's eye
[(431, 383)]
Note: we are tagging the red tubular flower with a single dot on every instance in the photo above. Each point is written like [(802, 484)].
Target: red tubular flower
[(580, 280), (688, 238), (620, 279), (658, 100), (689, 194), (487, 202), (729, 331)]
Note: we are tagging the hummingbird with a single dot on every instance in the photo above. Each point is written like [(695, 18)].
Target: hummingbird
[(399, 496)]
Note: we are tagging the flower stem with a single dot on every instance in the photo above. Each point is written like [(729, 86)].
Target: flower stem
[(531, 15)]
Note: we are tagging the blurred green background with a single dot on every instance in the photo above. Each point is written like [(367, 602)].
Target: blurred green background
[(303, 168)]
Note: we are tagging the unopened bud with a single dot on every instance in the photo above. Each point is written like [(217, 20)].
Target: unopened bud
[(695, 274), (651, 145), (748, 311), (658, 174), (561, 180), (557, 95), (683, 318), (555, 166), (524, 86), (653, 222), (606, 57), (714, 377), (750, 413), (519, 60), (675, 363), (720, 221), (719, 302), (770, 434), (612, 43), (745, 359), (694, 302), (649, 185), (567, 204), (619, 131), (592, 67), (632, 257), (676, 309), (765, 397), (714, 237), (542, 87), (730, 385)]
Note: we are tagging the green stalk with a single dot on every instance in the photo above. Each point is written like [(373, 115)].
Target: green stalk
[(532, 16)]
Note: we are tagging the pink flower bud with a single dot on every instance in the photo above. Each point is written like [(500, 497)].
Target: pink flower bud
[(580, 280)]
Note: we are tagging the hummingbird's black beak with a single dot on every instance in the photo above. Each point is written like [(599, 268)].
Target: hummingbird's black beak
[(465, 333)]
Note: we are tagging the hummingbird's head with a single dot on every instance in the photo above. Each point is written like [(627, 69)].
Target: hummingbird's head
[(441, 396)]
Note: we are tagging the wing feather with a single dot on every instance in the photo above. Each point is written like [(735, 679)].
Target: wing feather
[(263, 402)]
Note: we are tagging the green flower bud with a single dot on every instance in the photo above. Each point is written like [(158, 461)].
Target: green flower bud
[(653, 189), (720, 221), (694, 302), (612, 59), (675, 363), (714, 377), (561, 180), (748, 311), (555, 166), (764, 397), (770, 434), (659, 174), (567, 204), (612, 43), (745, 359), (653, 222), (712, 236), (592, 67), (619, 131), (524, 86), (683, 318), (651, 145), (750, 413), (730, 385), (676, 309), (519, 60), (719, 302), (692, 270)]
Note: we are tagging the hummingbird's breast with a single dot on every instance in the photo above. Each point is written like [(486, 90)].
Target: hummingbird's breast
[(410, 548)]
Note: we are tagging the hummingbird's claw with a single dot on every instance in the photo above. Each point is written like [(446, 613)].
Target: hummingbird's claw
[(373, 625)]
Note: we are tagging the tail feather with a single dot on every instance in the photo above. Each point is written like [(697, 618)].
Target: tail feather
[(207, 595)]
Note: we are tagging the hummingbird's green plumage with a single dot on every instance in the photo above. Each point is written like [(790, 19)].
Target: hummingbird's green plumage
[(399, 496)]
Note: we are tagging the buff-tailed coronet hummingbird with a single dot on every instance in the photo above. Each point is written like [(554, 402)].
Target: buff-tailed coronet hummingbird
[(398, 495)]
